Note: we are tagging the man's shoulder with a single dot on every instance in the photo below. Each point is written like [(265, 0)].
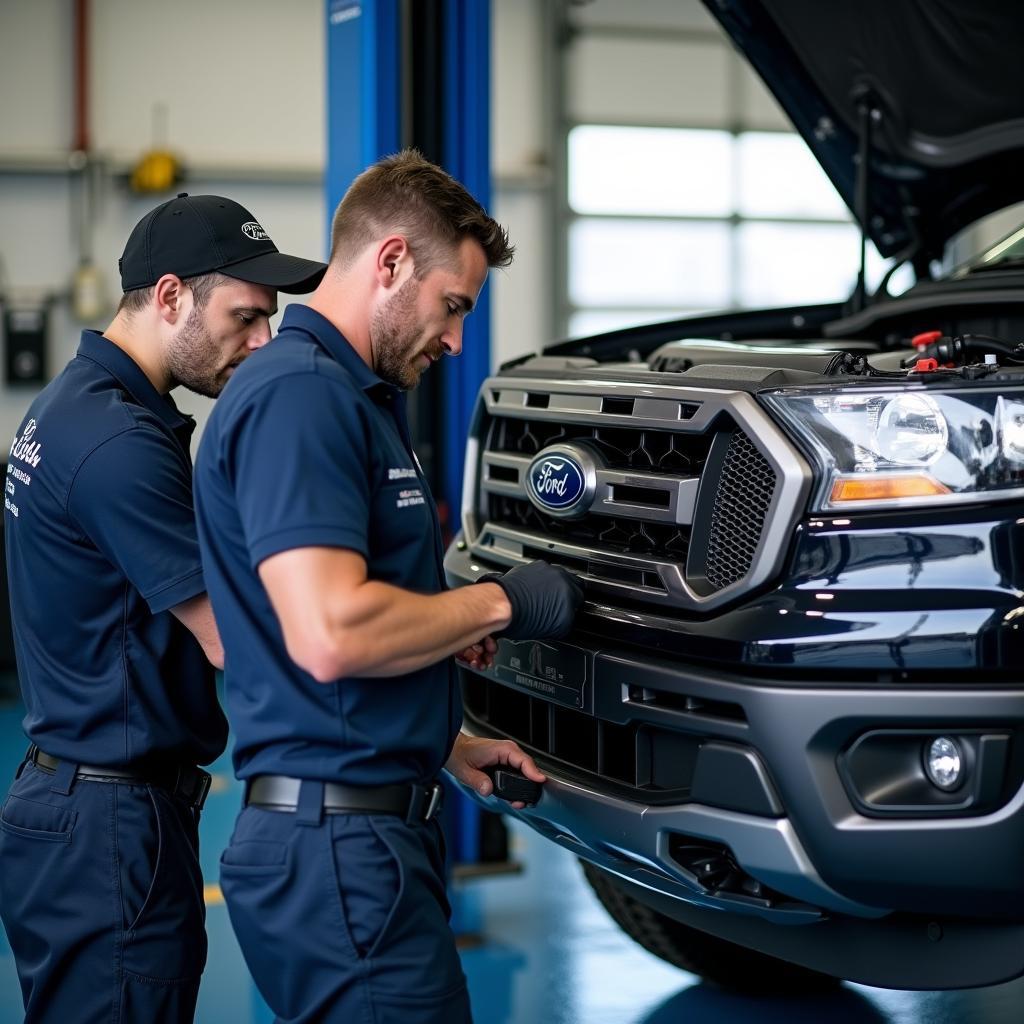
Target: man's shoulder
[(77, 412), (273, 370)]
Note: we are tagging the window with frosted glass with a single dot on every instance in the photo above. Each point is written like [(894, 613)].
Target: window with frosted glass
[(670, 221), (648, 263), (596, 321), (655, 171), (778, 176)]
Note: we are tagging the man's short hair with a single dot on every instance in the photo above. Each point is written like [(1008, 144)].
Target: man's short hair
[(408, 195), (202, 287)]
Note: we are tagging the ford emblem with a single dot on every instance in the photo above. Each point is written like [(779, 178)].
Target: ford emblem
[(556, 482)]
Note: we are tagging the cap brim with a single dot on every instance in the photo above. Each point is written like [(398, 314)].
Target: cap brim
[(278, 270)]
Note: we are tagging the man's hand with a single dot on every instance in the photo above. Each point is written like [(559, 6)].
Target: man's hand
[(470, 755), (481, 655), (544, 600)]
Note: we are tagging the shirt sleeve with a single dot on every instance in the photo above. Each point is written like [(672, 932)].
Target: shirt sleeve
[(132, 497), (299, 462)]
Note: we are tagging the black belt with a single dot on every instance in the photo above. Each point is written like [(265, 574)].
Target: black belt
[(186, 782), (412, 802)]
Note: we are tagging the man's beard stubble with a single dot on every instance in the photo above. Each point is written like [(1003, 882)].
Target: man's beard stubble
[(193, 359), (393, 336)]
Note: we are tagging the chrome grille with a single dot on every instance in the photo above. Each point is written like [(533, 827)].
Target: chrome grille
[(696, 494)]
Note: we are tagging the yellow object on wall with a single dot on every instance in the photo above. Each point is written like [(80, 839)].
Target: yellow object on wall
[(157, 171)]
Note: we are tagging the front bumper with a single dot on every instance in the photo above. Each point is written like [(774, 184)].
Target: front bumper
[(900, 903), (820, 850), (797, 827), (631, 840), (848, 939)]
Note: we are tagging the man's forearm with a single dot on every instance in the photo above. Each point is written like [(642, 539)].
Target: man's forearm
[(387, 631), (339, 623)]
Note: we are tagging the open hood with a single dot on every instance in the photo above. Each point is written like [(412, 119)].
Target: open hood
[(931, 89)]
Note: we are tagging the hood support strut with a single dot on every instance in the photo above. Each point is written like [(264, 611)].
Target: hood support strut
[(869, 113)]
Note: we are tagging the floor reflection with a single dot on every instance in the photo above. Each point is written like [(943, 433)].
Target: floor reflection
[(703, 1004)]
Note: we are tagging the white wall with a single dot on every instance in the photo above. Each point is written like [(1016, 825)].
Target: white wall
[(523, 317), (241, 83)]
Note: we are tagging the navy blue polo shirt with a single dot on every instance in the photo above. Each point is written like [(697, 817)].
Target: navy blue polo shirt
[(307, 447), (101, 542)]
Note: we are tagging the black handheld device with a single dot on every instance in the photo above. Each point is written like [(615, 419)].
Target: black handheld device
[(511, 786)]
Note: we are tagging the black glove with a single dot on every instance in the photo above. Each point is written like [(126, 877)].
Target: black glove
[(544, 600)]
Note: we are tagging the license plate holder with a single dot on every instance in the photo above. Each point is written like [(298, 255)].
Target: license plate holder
[(550, 669)]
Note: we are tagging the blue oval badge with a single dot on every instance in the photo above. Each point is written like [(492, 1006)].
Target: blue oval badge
[(556, 481)]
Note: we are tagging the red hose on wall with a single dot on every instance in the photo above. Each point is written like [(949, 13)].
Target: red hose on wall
[(80, 129)]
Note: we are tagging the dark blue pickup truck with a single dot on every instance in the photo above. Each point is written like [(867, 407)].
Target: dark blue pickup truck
[(786, 737)]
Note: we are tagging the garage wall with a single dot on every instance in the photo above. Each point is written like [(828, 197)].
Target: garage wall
[(660, 62), (521, 144), (240, 84), (240, 87)]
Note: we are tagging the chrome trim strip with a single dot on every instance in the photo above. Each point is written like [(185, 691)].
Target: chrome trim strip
[(505, 545), (681, 491)]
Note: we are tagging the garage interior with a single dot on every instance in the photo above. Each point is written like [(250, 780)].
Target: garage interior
[(644, 173)]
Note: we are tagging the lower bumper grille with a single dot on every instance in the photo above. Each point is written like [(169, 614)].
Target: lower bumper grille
[(652, 762)]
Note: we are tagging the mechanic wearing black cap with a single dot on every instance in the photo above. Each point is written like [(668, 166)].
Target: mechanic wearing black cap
[(323, 558), (100, 889)]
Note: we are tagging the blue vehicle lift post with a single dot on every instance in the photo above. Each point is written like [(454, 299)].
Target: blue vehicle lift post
[(419, 75)]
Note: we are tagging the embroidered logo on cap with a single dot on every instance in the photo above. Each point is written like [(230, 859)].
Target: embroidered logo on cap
[(252, 230)]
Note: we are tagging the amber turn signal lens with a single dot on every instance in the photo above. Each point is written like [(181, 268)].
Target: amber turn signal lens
[(886, 488)]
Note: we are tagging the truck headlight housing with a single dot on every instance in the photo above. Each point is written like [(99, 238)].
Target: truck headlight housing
[(879, 448)]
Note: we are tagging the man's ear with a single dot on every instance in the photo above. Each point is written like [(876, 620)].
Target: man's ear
[(169, 295), (394, 261)]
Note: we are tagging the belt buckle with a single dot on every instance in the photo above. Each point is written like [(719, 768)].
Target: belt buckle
[(205, 781), (194, 789), (434, 801), (432, 796)]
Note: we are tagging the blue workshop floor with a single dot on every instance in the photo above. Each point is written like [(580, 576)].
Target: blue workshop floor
[(549, 954)]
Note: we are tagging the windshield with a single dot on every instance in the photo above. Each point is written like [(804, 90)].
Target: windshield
[(1004, 253)]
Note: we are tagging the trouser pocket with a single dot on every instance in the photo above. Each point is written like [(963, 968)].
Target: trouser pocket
[(413, 959), (369, 881), (160, 885), (35, 819)]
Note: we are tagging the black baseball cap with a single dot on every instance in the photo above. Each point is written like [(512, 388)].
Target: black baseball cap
[(193, 235)]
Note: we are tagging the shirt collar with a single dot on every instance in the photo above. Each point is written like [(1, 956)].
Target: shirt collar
[(125, 370), (302, 318)]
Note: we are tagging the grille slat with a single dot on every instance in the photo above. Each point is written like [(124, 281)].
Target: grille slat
[(623, 448), (628, 536)]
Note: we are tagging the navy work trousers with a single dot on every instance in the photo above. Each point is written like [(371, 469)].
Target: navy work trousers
[(102, 899), (344, 919)]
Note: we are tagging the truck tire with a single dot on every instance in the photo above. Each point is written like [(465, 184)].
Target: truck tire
[(715, 960)]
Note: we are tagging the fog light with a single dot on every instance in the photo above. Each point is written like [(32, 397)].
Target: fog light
[(943, 763)]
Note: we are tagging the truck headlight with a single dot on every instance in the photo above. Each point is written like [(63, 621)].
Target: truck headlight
[(882, 448), (911, 431)]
